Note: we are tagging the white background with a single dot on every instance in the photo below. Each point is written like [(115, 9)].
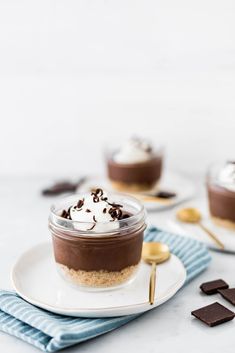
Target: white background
[(74, 74)]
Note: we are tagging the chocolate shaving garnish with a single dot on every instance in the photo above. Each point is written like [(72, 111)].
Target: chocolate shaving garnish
[(104, 198), (125, 215), (99, 192), (80, 203), (87, 210), (68, 216), (115, 213), (114, 204), (94, 219), (104, 210), (64, 214), (92, 227), (96, 199)]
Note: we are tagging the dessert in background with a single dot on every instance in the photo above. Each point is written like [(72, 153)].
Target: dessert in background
[(135, 166), (97, 238), (221, 194)]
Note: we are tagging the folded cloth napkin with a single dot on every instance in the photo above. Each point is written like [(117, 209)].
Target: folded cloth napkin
[(51, 332)]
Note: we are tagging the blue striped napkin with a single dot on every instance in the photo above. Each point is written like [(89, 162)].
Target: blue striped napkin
[(51, 332)]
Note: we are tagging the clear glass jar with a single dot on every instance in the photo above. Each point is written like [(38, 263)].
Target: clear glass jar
[(103, 257), (221, 196), (134, 176)]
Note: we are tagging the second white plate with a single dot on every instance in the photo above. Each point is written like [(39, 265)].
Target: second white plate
[(35, 279), (226, 236), (170, 181)]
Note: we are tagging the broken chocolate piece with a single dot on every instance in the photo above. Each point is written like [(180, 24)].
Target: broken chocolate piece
[(228, 294), (213, 314), (165, 194), (212, 287), (63, 187)]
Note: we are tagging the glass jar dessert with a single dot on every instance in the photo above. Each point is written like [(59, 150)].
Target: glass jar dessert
[(97, 238), (135, 166), (221, 193)]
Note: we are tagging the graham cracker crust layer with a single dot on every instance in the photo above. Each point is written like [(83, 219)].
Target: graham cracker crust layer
[(99, 279), (223, 223)]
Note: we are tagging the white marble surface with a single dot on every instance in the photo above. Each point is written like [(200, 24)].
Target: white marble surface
[(168, 328)]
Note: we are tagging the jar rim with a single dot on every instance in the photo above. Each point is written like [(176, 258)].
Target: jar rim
[(133, 222)]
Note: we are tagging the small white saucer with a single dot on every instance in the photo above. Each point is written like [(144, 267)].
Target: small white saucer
[(35, 279), (225, 235), (170, 181)]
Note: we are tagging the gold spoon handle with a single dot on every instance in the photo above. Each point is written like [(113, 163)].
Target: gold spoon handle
[(152, 283), (212, 235)]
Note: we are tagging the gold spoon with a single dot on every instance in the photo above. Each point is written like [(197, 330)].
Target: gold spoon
[(193, 215), (154, 253)]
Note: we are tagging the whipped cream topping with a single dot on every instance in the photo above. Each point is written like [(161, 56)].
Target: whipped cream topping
[(134, 151), (226, 176), (95, 212)]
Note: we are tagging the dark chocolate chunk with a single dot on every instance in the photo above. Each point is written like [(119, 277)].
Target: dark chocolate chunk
[(62, 187), (165, 194), (228, 294), (212, 287), (213, 314)]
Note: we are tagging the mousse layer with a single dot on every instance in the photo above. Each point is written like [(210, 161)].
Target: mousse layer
[(221, 202), (148, 172), (112, 253)]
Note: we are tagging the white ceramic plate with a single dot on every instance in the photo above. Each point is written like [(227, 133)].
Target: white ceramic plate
[(170, 181), (193, 231), (35, 279)]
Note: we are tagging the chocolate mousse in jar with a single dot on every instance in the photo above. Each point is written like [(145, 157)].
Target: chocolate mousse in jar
[(97, 238), (134, 166), (221, 193)]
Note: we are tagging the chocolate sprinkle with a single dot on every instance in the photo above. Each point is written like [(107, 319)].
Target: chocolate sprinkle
[(115, 210), (113, 204), (99, 192), (80, 203), (124, 216), (64, 214), (92, 227), (96, 199)]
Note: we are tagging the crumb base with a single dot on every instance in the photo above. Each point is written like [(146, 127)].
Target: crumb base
[(225, 223), (97, 279)]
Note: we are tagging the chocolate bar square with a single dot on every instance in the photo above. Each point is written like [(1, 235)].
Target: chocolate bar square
[(212, 287), (228, 294), (213, 314)]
